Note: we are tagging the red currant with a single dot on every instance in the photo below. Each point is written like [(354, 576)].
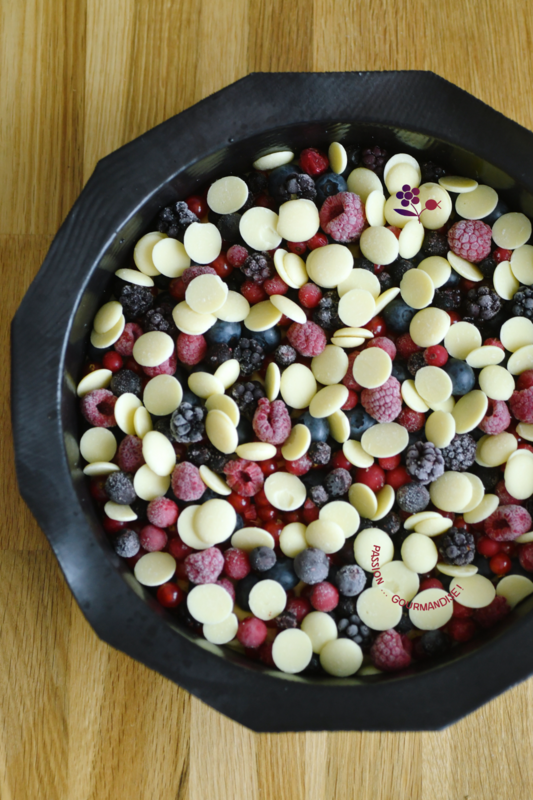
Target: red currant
[(351, 402), (397, 477), (339, 461), (300, 466), (500, 564), (436, 356), (197, 205), (488, 547), (269, 467), (297, 247), (377, 326), (113, 525), (461, 630), (274, 529), (112, 361), (253, 292), (390, 463), (170, 595), (222, 266), (461, 612), (310, 512), (500, 254), (430, 583), (177, 289), (373, 477), (310, 295), (238, 502), (96, 488), (177, 548), (318, 240)]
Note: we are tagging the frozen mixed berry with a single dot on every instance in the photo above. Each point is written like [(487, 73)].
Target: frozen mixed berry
[(411, 420), (119, 488), (313, 161), (318, 495), (384, 343), (424, 462), (186, 482), (412, 497), (168, 367), (374, 158), (236, 563), (431, 172), (436, 356), (244, 477), (482, 303), (435, 244), (160, 319), (310, 295), (398, 269), (125, 381), (384, 403), (460, 454), (434, 643), (216, 355), (447, 299), (162, 512), (343, 217), (195, 271), (416, 361), (337, 482), (490, 615), (352, 627), (130, 454), (262, 558), (350, 580), (522, 303), (390, 523), (388, 652), (307, 338), (98, 408), (129, 336), (319, 453), (247, 395), (497, 419), (152, 538), (175, 219), (326, 314), (237, 255), (275, 285), (271, 421), (135, 301), (525, 556), (187, 423), (324, 596), (521, 403), (252, 632), (191, 349), (470, 239), (285, 355), (205, 566), (507, 523), (258, 267), (250, 354), (286, 620), (457, 547), (127, 544), (311, 566), (228, 225)]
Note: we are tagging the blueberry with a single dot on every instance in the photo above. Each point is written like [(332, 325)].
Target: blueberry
[(224, 333), (315, 477), (228, 226), (319, 428), (501, 208), (453, 280), (359, 421), (243, 589), (398, 315), (190, 397), (400, 371), (462, 375), (239, 523), (245, 431), (270, 338), (364, 263), (311, 565), (327, 184), (282, 572), (262, 559), (416, 436), (278, 178), (354, 158)]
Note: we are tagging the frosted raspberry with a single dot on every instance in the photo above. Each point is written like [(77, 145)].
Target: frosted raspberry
[(388, 653), (271, 422), (168, 367), (497, 419), (228, 586), (384, 344), (244, 477), (313, 162), (470, 239), (522, 405), (130, 334), (191, 349), (411, 420), (152, 538), (98, 408), (236, 563), (507, 523), (349, 380), (130, 454), (490, 615), (405, 346), (186, 482), (205, 566), (343, 217), (162, 512), (385, 402), (193, 272), (308, 339)]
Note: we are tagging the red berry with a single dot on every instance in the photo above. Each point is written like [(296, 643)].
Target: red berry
[(112, 361), (525, 380), (244, 477), (454, 317), (324, 597), (239, 502), (96, 488), (269, 467), (318, 240), (405, 346), (252, 632), (274, 529), (500, 564), (267, 514), (170, 595), (390, 463), (236, 563), (310, 295), (275, 285), (500, 254), (253, 292), (205, 566), (134, 367), (397, 477), (300, 606), (396, 231), (495, 343), (313, 161), (222, 266), (310, 512), (265, 654), (411, 420), (260, 499), (297, 247), (237, 255), (152, 538), (351, 402), (461, 612), (377, 326), (113, 525), (291, 516), (162, 512), (509, 548), (373, 477), (461, 630), (300, 466), (436, 356), (177, 548), (177, 288), (488, 547), (430, 583), (525, 556), (339, 461), (197, 205), (265, 201)]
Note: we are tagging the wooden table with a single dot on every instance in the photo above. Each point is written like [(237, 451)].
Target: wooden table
[(79, 78)]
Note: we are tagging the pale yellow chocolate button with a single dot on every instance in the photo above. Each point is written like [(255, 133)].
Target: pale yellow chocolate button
[(485, 356), (293, 271), (221, 431), (132, 276), (206, 294), (347, 341), (486, 507), (267, 599), (227, 195), (153, 569), (343, 514), (207, 603), (525, 538), (518, 474), (475, 591), (478, 492), (372, 549), (375, 208), (372, 368), (355, 454), (148, 485), (431, 609), (464, 268), (478, 203), (284, 491), (360, 279), (433, 384), (514, 588), (273, 160), (215, 521), (272, 381), (516, 332), (469, 411), (525, 431), (107, 317), (357, 307), (326, 535), (298, 220), (162, 395), (397, 579), (292, 651), (292, 539), (119, 512), (376, 608), (461, 339), (329, 265), (258, 228), (96, 468), (379, 245), (496, 450), (98, 444), (125, 408), (297, 444), (496, 382), (202, 242), (392, 204), (457, 184), (511, 231), (328, 400), (447, 406), (416, 287), (385, 298), (363, 500), (221, 632), (402, 158), (409, 244), (479, 445), (214, 481), (419, 553), (385, 439), (186, 529), (338, 157), (142, 253), (170, 258), (415, 519), (153, 348), (433, 527), (330, 366), (411, 397), (429, 327), (289, 308), (362, 181), (521, 360), (235, 309), (203, 384), (320, 628), (158, 453), (222, 402), (341, 657), (250, 538), (298, 386), (102, 340), (456, 571), (385, 498), (256, 451), (400, 174), (437, 268), (228, 372), (505, 283), (262, 316), (99, 379), (451, 492), (440, 428), (522, 264), (435, 218)]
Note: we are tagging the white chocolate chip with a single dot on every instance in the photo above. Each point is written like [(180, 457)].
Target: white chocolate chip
[(456, 571), (338, 158), (375, 208), (457, 184), (375, 608), (356, 307), (511, 231), (522, 264), (326, 535), (293, 271), (215, 521), (385, 298), (103, 340), (132, 276), (284, 491), (186, 529), (208, 603), (153, 348), (411, 239), (343, 514), (487, 506), (267, 599), (438, 269), (437, 217), (518, 474), (328, 266), (258, 228), (372, 549), (433, 384), (292, 539), (475, 591), (158, 453), (153, 569), (289, 308), (118, 512), (262, 316), (436, 611), (330, 366), (99, 379), (222, 402), (250, 538), (419, 553), (221, 632), (203, 384), (461, 339), (341, 657), (372, 368), (214, 481), (170, 258), (107, 317), (206, 294), (235, 309), (429, 327), (385, 498), (464, 268), (328, 400), (98, 444), (162, 395), (521, 360), (514, 588), (125, 408), (353, 451), (272, 381), (440, 428), (496, 450), (397, 579), (379, 245), (469, 410), (411, 397), (256, 451), (142, 422), (363, 500), (339, 426), (433, 527), (228, 372), (97, 468), (142, 253), (297, 444), (227, 195), (505, 283), (496, 382), (402, 158), (320, 628), (273, 160), (221, 431), (298, 386), (292, 650), (298, 220), (452, 491), (485, 356), (148, 485), (400, 174), (384, 440), (516, 332), (478, 203), (202, 242), (362, 181), (360, 279)]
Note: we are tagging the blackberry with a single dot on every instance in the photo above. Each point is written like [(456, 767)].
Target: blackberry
[(364, 263), (391, 523), (199, 455), (385, 280), (217, 460), (405, 625), (216, 355), (228, 226), (187, 423), (318, 495), (283, 180), (301, 187), (326, 313), (412, 497), (286, 620), (126, 381), (415, 362), (160, 319), (482, 303), (285, 355), (319, 453), (175, 219), (353, 628), (489, 476), (522, 303), (119, 488), (258, 267), (374, 158), (338, 482), (431, 172), (447, 299), (257, 183), (162, 425), (424, 462), (435, 244), (135, 301), (398, 269), (250, 354), (353, 154), (487, 266), (246, 395), (460, 453), (457, 547)]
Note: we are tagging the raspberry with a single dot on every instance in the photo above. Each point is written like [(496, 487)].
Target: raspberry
[(237, 255), (525, 380), (275, 285), (191, 349), (324, 597), (253, 292), (411, 420), (162, 512), (385, 344), (310, 295), (152, 538), (497, 419), (308, 338), (313, 161), (236, 563), (252, 632), (405, 346), (193, 272), (461, 630), (397, 478), (178, 548), (385, 402), (525, 556), (129, 336), (343, 217), (271, 422), (244, 477), (436, 356), (490, 615), (130, 454), (470, 239), (507, 523), (521, 403), (186, 482), (168, 367), (388, 653), (98, 408), (205, 566)]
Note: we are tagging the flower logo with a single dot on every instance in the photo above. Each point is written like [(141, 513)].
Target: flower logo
[(409, 197)]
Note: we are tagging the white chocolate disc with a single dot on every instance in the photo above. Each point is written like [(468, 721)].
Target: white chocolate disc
[(384, 440), (357, 307), (525, 431), (102, 340), (478, 203), (262, 316), (170, 258), (514, 588), (222, 402), (495, 450), (214, 481), (496, 382), (438, 269), (433, 527), (330, 366), (488, 506), (153, 348), (228, 372), (221, 632), (273, 160), (397, 579), (320, 628), (292, 651), (158, 453), (392, 205), (125, 408), (347, 341), (485, 356), (440, 428), (435, 218), (362, 181), (142, 422), (450, 492), (292, 539), (142, 253), (518, 475), (132, 276), (353, 451), (375, 208), (202, 242), (297, 444), (372, 368), (186, 529), (457, 184), (215, 521), (478, 492), (256, 451), (461, 339), (294, 271), (436, 611), (96, 468), (272, 381), (328, 400), (411, 397), (221, 431), (525, 538), (298, 386), (289, 308), (521, 360), (433, 384), (189, 321), (385, 298), (326, 535), (455, 571), (341, 657), (207, 603), (411, 239), (516, 332), (379, 245), (400, 174), (360, 279), (429, 327), (98, 444), (375, 608), (148, 485), (203, 384), (469, 411), (119, 512), (511, 231), (284, 491), (205, 294), (416, 287), (372, 548), (521, 264), (343, 514), (107, 316), (258, 228), (338, 158), (447, 406), (267, 599), (385, 498), (99, 379), (298, 220), (329, 265), (235, 309), (162, 395), (250, 538), (416, 519), (464, 268), (401, 158), (339, 426), (153, 569), (505, 283), (419, 553), (227, 195), (475, 591), (363, 500)]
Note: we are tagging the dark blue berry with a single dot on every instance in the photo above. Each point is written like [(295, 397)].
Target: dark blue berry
[(350, 580), (327, 184), (311, 565), (359, 421), (398, 315), (239, 523), (243, 589), (283, 572), (400, 371), (224, 333), (119, 488), (453, 280), (245, 431), (319, 428), (228, 225), (277, 181), (270, 338), (127, 544), (501, 208), (262, 559), (462, 375)]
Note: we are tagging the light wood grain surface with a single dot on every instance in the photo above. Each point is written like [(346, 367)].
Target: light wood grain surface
[(79, 78)]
